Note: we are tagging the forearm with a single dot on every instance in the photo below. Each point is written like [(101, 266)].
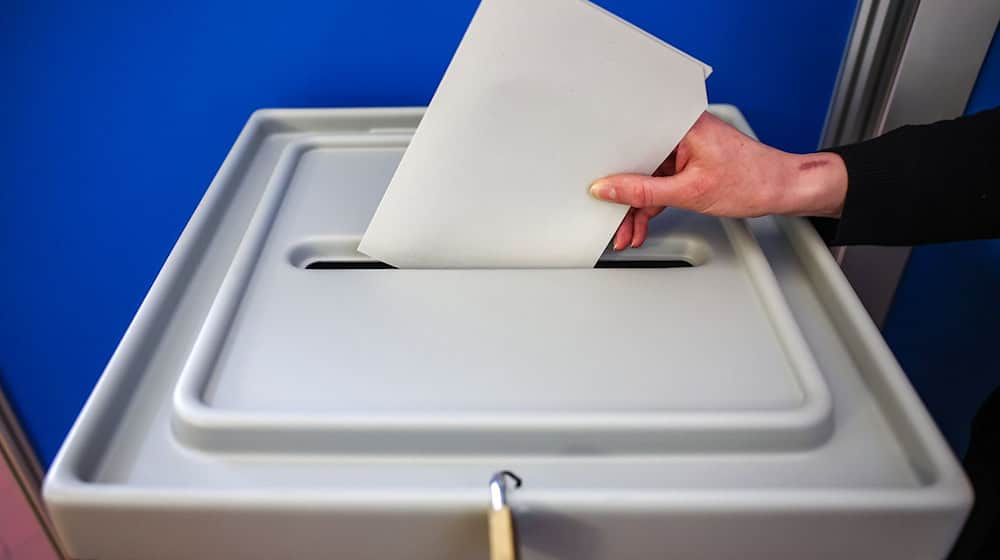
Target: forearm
[(816, 185)]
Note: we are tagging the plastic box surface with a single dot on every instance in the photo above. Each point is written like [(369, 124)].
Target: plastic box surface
[(279, 395)]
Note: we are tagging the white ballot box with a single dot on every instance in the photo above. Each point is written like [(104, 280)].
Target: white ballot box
[(718, 393)]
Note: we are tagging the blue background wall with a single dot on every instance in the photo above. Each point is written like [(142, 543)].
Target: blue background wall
[(944, 324), (117, 115)]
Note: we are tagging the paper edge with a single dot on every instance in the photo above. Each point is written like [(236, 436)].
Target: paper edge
[(706, 69)]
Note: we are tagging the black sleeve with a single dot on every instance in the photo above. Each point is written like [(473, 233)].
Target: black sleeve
[(921, 184)]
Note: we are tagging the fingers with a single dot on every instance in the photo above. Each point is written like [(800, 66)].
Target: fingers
[(634, 228), (640, 226), (642, 191), (639, 229), (625, 232)]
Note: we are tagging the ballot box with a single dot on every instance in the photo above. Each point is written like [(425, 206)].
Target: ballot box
[(717, 393)]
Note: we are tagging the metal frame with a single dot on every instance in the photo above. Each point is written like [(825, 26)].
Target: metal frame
[(907, 62), (874, 48)]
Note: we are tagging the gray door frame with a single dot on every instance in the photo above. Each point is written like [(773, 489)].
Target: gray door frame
[(906, 62)]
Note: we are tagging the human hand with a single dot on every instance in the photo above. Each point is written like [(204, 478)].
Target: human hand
[(719, 171)]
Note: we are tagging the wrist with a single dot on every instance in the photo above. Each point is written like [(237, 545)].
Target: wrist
[(816, 185)]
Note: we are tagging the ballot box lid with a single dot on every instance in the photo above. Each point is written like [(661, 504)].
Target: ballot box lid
[(277, 389)]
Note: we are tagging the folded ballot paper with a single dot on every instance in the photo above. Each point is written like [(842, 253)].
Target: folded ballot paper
[(541, 98)]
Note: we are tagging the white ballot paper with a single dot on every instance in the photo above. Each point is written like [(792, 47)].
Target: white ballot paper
[(541, 98)]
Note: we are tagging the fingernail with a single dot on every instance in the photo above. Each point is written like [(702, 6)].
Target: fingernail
[(603, 191)]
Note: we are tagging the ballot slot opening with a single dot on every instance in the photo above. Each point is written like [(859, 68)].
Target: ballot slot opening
[(378, 265), (341, 253)]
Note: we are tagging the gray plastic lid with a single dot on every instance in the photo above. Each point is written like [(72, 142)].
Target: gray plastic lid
[(257, 456), (527, 360)]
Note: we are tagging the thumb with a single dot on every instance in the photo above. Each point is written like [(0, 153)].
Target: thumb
[(642, 191)]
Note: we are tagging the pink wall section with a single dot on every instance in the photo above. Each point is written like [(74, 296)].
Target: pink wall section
[(22, 536)]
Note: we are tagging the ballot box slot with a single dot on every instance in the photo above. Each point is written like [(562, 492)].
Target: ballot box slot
[(348, 265), (680, 250), (377, 265), (641, 263)]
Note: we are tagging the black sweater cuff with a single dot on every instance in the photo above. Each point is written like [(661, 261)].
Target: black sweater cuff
[(921, 184), (872, 175)]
